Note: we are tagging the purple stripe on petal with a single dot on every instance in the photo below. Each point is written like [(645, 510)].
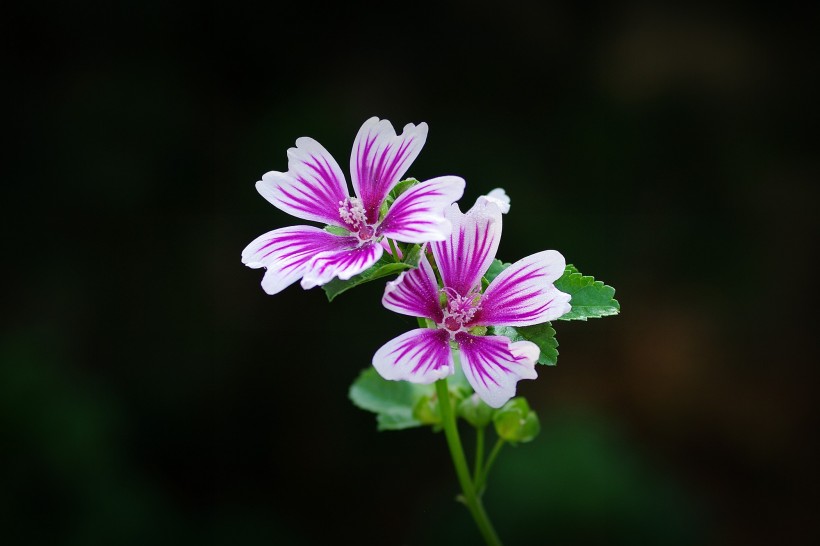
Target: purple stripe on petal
[(524, 294), (342, 263), (466, 254), (493, 365), (417, 216), (313, 186), (419, 356), (380, 158), (286, 252), (415, 293)]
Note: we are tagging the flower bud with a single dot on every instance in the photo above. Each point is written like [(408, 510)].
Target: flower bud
[(473, 410), (426, 410), (516, 422)]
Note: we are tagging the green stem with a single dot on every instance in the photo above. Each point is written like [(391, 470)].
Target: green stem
[(472, 501), (479, 456), (481, 480), (393, 249)]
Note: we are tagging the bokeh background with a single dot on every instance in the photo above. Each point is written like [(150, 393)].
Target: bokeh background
[(151, 393)]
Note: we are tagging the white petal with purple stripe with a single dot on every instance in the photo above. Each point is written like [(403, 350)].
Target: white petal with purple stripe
[(417, 216), (524, 294), (466, 254), (414, 293), (342, 263), (313, 186), (380, 158), (419, 356), (493, 365), (286, 252)]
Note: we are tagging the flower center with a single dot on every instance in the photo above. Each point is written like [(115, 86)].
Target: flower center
[(459, 309), (352, 213)]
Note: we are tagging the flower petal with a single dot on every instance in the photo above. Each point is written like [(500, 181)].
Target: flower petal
[(342, 263), (414, 293), (380, 158), (419, 356), (493, 365), (417, 216), (285, 253), (499, 197), (467, 253), (524, 294), (313, 187)]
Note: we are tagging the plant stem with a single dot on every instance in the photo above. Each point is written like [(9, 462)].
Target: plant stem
[(393, 249), (482, 477), (472, 501), (479, 457)]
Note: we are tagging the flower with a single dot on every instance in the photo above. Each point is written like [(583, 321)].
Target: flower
[(521, 295), (315, 189)]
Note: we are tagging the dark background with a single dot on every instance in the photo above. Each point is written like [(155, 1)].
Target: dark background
[(151, 393)]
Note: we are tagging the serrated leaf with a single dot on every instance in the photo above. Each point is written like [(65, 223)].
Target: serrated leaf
[(590, 298), (542, 335), (391, 401)]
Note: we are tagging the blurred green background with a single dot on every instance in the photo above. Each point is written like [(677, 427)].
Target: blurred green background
[(151, 393)]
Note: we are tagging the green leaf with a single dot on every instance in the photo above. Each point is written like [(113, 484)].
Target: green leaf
[(401, 404), (397, 190), (412, 255), (542, 335), (590, 298), (400, 188), (496, 267), (391, 401)]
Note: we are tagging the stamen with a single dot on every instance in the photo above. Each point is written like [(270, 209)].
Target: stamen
[(459, 310), (352, 212)]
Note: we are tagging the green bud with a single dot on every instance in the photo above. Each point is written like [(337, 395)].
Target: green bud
[(516, 422), (426, 411), (473, 410)]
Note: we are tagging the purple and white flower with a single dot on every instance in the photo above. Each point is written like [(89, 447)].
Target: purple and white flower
[(314, 188), (521, 295)]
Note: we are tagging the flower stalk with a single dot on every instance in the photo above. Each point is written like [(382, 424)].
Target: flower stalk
[(469, 492)]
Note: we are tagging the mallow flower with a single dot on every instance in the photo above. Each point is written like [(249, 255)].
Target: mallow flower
[(521, 295), (314, 188)]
